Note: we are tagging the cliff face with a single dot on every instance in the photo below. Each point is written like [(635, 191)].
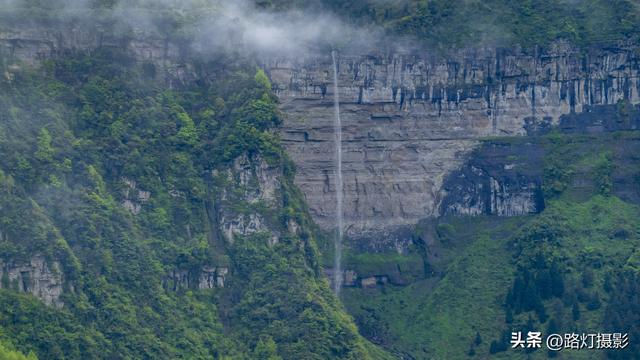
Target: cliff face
[(499, 179), (33, 41), (259, 185), (409, 120), (37, 277)]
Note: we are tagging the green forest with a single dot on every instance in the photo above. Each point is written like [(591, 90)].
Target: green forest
[(129, 184), (447, 25), (70, 135), (570, 269)]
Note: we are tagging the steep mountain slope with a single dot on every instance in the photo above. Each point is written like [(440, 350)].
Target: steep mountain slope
[(149, 208), (155, 222), (410, 118), (562, 270)]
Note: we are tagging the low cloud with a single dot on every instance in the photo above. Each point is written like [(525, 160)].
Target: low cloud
[(219, 26), (243, 27)]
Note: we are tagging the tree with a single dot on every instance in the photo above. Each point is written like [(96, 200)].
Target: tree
[(608, 285), (188, 133), (266, 349), (44, 150), (6, 353), (557, 281), (494, 347), (587, 277), (509, 316), (623, 313), (262, 79), (541, 312), (552, 328)]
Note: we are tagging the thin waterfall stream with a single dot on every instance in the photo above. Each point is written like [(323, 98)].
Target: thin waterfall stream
[(337, 126)]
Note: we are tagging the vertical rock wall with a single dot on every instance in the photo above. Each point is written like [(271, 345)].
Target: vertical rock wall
[(410, 119)]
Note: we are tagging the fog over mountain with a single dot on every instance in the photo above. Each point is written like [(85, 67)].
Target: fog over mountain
[(324, 179)]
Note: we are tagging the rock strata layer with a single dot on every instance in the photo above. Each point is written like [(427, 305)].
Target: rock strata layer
[(410, 120)]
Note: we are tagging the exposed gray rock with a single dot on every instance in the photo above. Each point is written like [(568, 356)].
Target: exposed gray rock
[(177, 279), (250, 182), (208, 277), (373, 281), (244, 225), (211, 277), (133, 198), (259, 181), (505, 178), (410, 120), (249, 196), (131, 206), (37, 277), (32, 42), (506, 203), (497, 199), (498, 179), (349, 277)]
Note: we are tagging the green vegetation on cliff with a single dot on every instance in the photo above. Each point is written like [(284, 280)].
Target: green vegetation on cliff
[(9, 353), (445, 24), (110, 172), (572, 268), (141, 178), (435, 24)]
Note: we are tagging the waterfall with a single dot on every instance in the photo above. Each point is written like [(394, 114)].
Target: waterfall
[(337, 128)]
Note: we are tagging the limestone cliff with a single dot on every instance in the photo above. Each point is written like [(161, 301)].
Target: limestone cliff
[(411, 119), (498, 179), (208, 277), (505, 178)]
